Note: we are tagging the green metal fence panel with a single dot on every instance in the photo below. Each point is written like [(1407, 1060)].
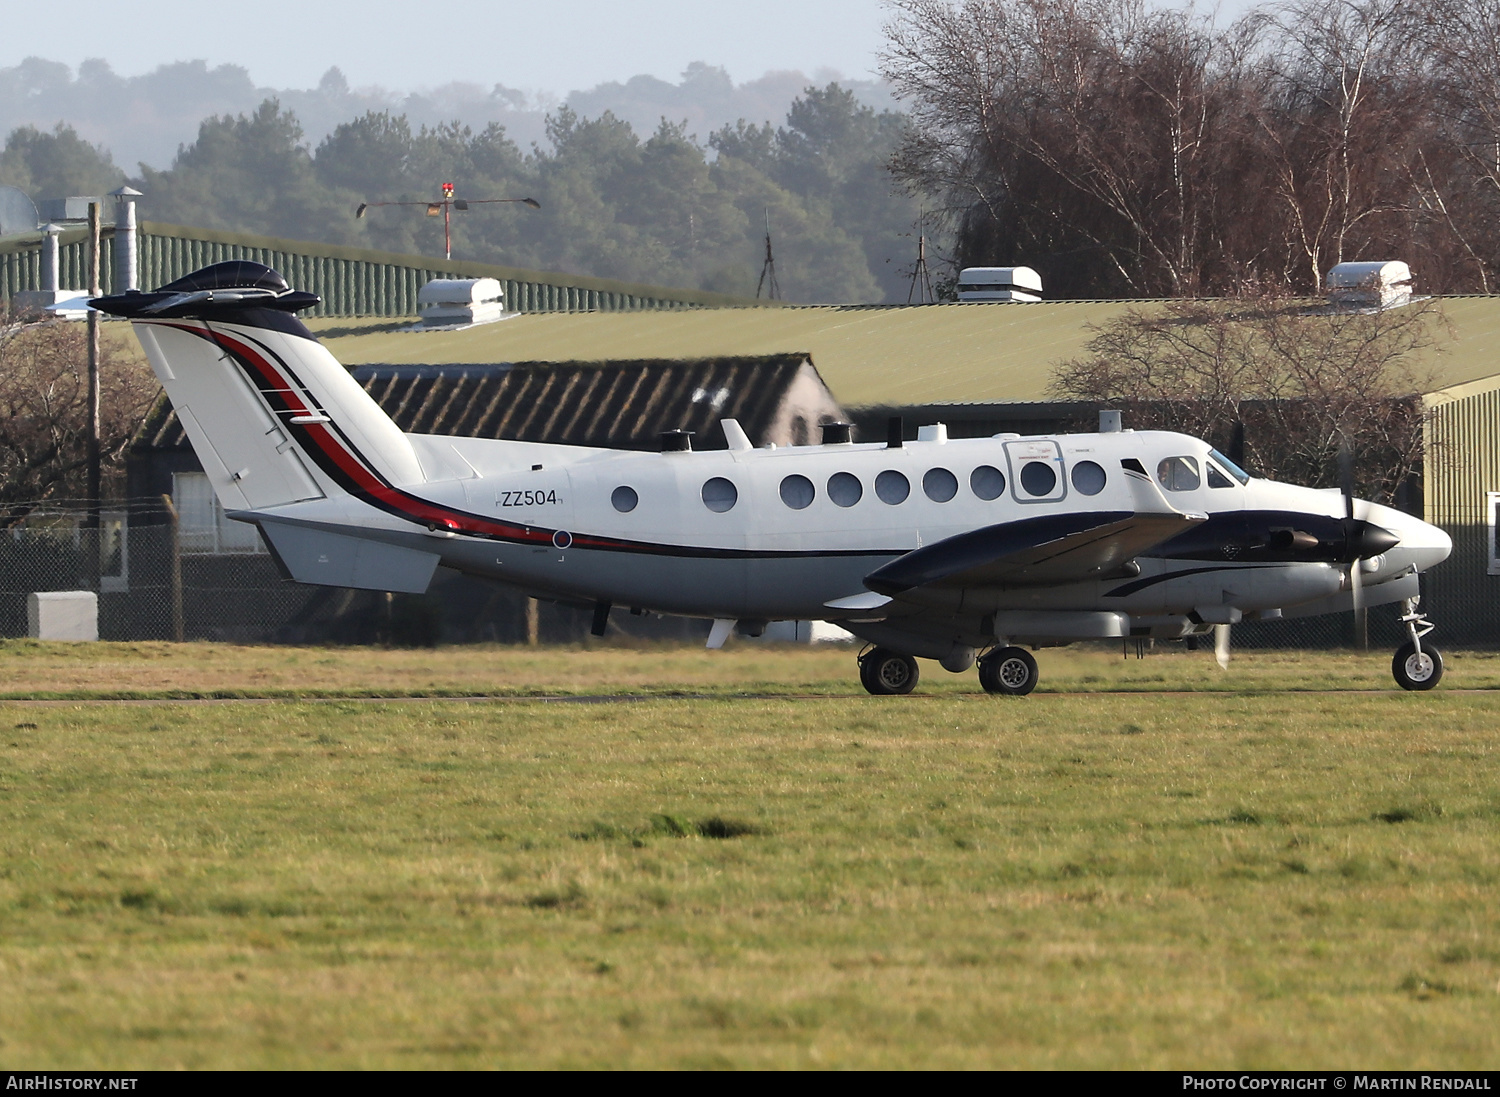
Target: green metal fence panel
[(351, 282)]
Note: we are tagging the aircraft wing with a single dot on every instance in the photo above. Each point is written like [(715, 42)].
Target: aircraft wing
[(1050, 549)]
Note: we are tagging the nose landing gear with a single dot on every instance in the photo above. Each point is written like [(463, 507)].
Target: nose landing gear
[(1415, 666)]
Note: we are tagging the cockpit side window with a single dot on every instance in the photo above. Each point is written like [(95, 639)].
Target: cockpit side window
[(1217, 479), (1179, 474)]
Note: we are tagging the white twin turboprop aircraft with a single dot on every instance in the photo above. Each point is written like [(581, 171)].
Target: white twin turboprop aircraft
[(936, 548)]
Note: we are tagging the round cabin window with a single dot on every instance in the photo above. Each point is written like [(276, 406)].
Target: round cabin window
[(987, 482), (1038, 477), (1088, 478), (845, 489), (892, 487), (624, 499), (797, 492), (940, 485), (720, 495)]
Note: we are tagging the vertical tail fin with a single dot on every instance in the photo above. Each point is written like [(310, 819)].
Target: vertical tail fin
[(272, 415)]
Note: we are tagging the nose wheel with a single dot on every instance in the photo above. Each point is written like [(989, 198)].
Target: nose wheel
[(1416, 666), (1417, 669), (1011, 672)]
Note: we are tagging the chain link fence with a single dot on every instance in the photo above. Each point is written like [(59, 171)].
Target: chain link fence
[(152, 586), (151, 589)]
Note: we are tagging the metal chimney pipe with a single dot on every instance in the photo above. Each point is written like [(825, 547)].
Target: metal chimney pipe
[(127, 266), (51, 260)]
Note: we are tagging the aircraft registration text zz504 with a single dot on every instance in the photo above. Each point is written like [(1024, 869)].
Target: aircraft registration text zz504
[(535, 498)]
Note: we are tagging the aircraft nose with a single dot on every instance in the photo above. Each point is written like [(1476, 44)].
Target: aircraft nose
[(1418, 543)]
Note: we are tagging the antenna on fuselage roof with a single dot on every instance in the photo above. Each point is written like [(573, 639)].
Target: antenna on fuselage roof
[(768, 268)]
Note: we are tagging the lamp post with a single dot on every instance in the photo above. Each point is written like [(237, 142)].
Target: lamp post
[(94, 478), (444, 206)]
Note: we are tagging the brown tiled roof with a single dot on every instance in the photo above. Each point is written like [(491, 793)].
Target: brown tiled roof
[(623, 405)]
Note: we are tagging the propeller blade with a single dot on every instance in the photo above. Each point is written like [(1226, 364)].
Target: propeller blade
[(1346, 475), (1221, 646), (1357, 597)]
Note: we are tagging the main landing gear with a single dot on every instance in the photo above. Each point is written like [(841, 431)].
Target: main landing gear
[(886, 674), (1416, 666), (1007, 671)]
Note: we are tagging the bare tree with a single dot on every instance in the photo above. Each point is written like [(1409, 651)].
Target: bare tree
[(1458, 42), (44, 412), (1094, 127), (1134, 152), (1297, 382), (1345, 118)]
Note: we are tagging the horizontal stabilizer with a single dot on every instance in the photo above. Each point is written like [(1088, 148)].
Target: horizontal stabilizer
[(1053, 548), (316, 556)]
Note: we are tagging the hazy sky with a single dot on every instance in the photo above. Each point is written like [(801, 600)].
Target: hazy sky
[(535, 46), (552, 46)]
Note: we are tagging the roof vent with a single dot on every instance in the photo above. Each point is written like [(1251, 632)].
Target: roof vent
[(72, 208), (836, 434), (1381, 285), (999, 284), (676, 441), (460, 302)]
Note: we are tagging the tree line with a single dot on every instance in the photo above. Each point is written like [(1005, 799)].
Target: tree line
[(663, 209), (1127, 151)]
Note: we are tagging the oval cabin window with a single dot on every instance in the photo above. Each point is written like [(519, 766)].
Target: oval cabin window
[(892, 487), (940, 485), (624, 499), (1038, 477), (720, 495), (797, 492), (845, 489), (987, 482), (1088, 478)]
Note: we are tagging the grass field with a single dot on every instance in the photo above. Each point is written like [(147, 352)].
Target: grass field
[(769, 869), (29, 669)]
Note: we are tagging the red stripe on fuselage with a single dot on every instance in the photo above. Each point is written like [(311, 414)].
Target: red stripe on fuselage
[(361, 480), (359, 477)]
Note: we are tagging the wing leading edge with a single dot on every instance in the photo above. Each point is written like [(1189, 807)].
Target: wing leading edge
[(1049, 550)]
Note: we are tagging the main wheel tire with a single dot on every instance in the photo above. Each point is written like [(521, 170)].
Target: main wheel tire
[(887, 673), (1009, 671), (1414, 671)]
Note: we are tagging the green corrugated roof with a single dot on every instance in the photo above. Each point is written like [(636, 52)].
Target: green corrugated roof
[(969, 353)]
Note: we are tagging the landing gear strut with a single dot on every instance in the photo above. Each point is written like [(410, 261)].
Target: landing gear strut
[(1008, 671), (885, 673), (1416, 666)]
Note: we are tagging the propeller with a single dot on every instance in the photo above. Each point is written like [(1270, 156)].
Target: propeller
[(1351, 561), (1362, 540)]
